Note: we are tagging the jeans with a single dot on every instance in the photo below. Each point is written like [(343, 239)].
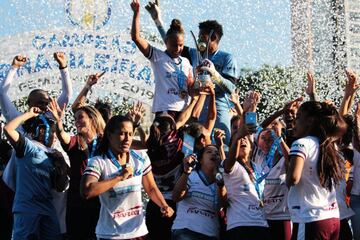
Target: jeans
[(355, 220)]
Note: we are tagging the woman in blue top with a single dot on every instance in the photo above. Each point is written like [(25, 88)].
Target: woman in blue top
[(34, 213)]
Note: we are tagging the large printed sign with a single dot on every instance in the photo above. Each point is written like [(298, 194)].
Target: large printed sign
[(128, 72), (90, 48)]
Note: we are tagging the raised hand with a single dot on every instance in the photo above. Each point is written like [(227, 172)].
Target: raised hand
[(135, 6), (311, 88), (187, 163), (154, 9), (93, 79), (60, 59), (351, 84), (219, 136), (234, 98), (34, 111), (136, 113), (18, 61), (251, 101), (55, 110)]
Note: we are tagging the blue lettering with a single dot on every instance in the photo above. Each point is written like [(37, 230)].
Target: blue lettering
[(54, 42), (72, 60), (4, 69), (39, 42), (123, 64), (100, 62), (100, 42), (130, 47), (132, 70), (88, 39), (41, 63), (145, 74), (82, 62)]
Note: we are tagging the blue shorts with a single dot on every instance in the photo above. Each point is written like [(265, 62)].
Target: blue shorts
[(31, 225)]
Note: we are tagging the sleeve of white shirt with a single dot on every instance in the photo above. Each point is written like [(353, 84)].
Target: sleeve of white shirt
[(67, 90), (147, 164), (8, 108), (154, 54), (94, 167), (298, 148)]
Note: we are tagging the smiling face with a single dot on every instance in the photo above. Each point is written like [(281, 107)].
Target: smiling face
[(265, 140), (83, 122), (175, 44), (120, 140)]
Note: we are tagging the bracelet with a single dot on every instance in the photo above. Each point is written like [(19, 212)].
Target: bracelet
[(61, 68), (158, 22)]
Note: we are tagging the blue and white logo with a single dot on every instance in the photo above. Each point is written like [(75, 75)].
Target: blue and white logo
[(88, 14)]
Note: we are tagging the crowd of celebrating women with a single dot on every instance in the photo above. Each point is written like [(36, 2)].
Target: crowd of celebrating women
[(210, 169)]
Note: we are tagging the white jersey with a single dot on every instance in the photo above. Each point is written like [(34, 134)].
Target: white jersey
[(308, 201), (244, 208), (172, 78), (198, 210), (121, 212), (355, 174), (275, 193)]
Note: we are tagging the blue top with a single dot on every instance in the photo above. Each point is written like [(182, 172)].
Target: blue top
[(226, 65), (33, 181)]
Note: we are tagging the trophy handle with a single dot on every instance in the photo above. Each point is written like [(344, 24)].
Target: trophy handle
[(207, 44), (199, 58)]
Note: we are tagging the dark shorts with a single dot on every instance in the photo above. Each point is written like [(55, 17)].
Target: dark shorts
[(138, 238), (328, 229), (279, 229)]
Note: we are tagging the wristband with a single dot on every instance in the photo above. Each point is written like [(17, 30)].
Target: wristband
[(61, 68), (158, 22)]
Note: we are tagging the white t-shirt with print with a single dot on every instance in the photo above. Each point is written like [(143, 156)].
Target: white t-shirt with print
[(275, 193), (244, 204), (121, 212), (169, 73), (198, 210), (308, 201)]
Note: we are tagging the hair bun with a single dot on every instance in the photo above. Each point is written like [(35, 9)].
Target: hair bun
[(176, 25)]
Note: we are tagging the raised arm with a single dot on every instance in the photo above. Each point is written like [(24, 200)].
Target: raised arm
[(186, 113), (8, 108), (211, 116), (66, 83), (229, 162), (141, 43), (154, 9), (234, 98), (10, 128), (58, 113), (350, 89), (181, 188), (311, 87), (81, 98), (136, 113)]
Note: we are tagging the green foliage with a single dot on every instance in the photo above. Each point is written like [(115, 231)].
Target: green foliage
[(279, 85)]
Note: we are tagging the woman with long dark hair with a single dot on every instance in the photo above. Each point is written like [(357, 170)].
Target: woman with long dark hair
[(314, 171), (117, 176)]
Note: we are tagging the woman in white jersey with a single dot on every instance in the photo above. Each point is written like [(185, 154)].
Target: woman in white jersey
[(314, 171), (173, 73), (198, 198), (117, 176), (245, 213)]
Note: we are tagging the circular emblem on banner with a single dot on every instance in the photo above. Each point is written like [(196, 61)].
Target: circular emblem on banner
[(88, 14)]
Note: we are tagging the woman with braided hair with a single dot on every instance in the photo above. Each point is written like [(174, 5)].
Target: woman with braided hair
[(314, 171)]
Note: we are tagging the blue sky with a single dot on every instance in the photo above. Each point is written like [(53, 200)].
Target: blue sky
[(256, 31)]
